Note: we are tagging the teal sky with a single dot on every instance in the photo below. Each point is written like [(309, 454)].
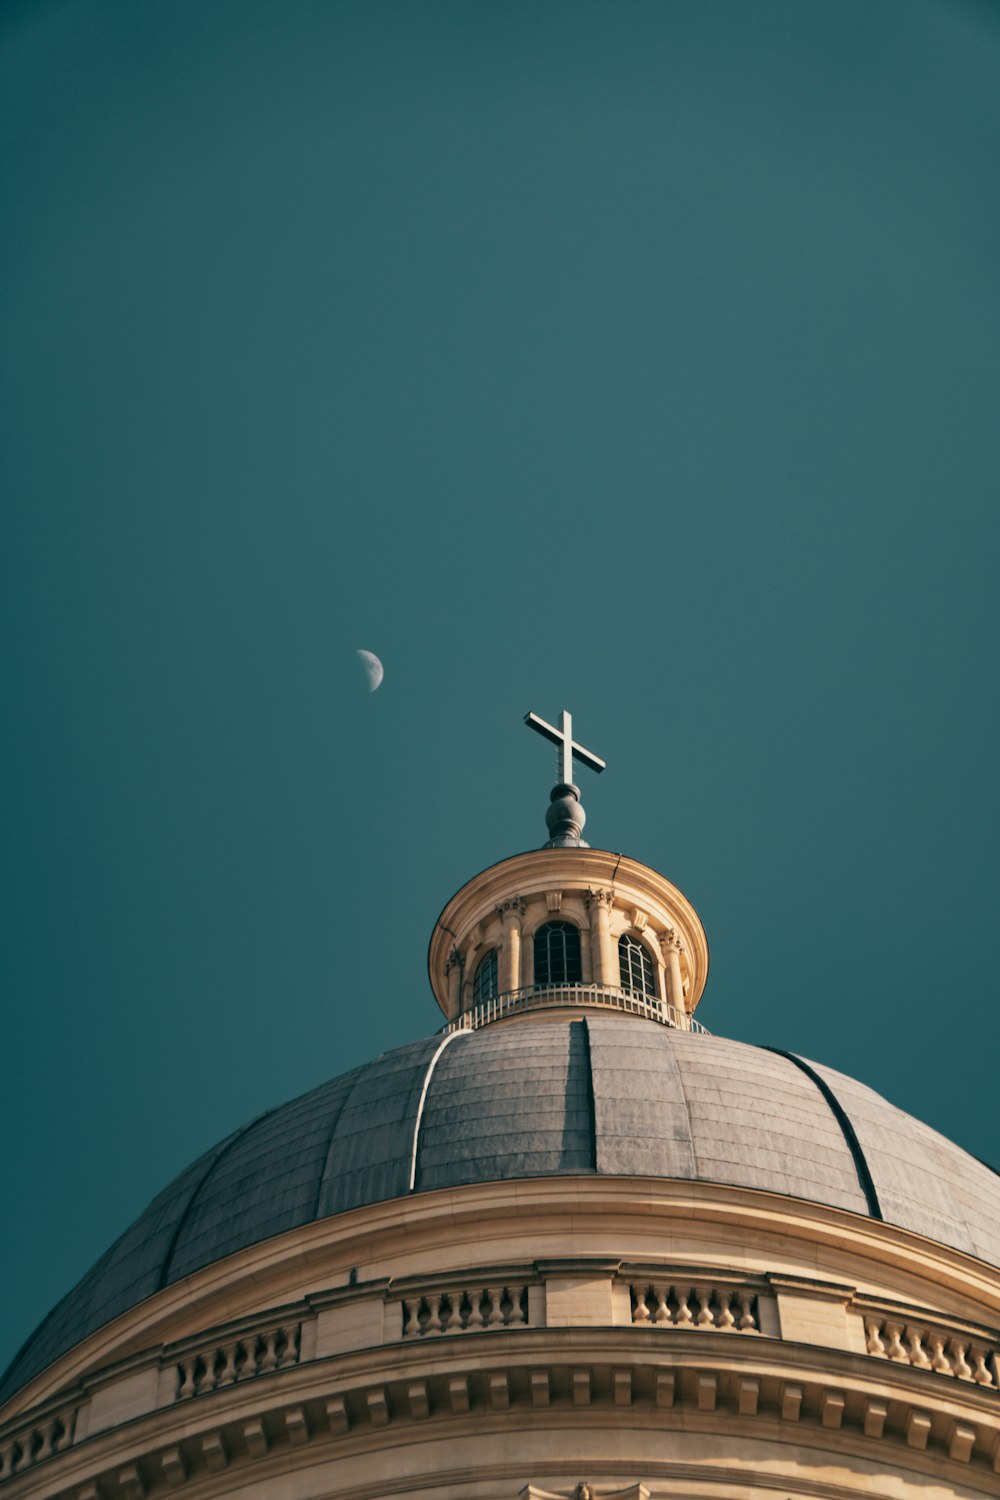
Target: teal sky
[(637, 359)]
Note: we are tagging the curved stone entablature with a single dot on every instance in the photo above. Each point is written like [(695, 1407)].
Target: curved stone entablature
[(828, 1349), (603, 894)]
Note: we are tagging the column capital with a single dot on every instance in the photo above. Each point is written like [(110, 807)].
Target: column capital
[(671, 942), (512, 909), (454, 960), (599, 898)]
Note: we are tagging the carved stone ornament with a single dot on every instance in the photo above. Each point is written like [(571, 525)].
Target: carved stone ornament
[(513, 907), (553, 900), (639, 920), (670, 940), (585, 1491), (600, 898), (454, 960)]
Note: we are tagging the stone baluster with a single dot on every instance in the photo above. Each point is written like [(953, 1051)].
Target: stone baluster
[(685, 1318), (725, 1322), (434, 1313), (873, 1337), (227, 1375), (206, 1378), (640, 1313), (747, 1319), (980, 1373), (939, 1360), (705, 1318), (6, 1461), (895, 1350), (411, 1316), (662, 1314), (185, 1386), (476, 1308), (960, 1369), (495, 1317), (269, 1357), (914, 1342), (47, 1444), (517, 1306), (451, 1312)]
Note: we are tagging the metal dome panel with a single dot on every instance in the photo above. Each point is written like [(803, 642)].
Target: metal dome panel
[(924, 1181)]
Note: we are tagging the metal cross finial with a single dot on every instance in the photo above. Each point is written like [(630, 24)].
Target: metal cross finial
[(569, 750)]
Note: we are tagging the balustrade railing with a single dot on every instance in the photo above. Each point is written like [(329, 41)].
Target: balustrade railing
[(464, 1310), (238, 1359), (37, 1440), (563, 996), (943, 1350), (664, 1304), (494, 1298)]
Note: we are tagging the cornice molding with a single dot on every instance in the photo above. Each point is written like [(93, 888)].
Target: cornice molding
[(831, 1405), (276, 1272)]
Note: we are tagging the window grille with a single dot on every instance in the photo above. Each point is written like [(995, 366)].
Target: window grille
[(484, 981), (557, 954), (635, 966)]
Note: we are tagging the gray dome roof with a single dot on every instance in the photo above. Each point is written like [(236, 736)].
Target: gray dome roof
[(607, 1094)]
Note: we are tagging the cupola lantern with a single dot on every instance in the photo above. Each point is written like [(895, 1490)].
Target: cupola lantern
[(568, 927)]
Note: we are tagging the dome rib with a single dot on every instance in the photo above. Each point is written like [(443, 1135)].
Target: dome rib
[(371, 1147), (449, 1037), (642, 1119), (850, 1136), (320, 1180), (514, 1101), (234, 1140), (591, 1098), (925, 1182)]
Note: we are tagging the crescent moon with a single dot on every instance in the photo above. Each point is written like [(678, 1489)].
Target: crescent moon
[(374, 669)]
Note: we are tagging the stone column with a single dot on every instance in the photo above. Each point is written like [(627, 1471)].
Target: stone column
[(454, 971), (603, 955), (657, 950), (527, 961), (671, 946), (510, 914)]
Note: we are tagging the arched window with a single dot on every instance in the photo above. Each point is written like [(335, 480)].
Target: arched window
[(484, 981), (557, 954), (635, 966)]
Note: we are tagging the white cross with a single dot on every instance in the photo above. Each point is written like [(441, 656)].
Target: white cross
[(568, 748)]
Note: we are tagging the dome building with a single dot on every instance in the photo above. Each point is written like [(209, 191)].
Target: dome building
[(571, 1245)]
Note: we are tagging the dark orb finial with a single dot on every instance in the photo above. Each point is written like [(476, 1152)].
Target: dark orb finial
[(565, 817)]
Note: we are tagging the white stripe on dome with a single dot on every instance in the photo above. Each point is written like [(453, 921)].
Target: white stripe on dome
[(449, 1037)]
